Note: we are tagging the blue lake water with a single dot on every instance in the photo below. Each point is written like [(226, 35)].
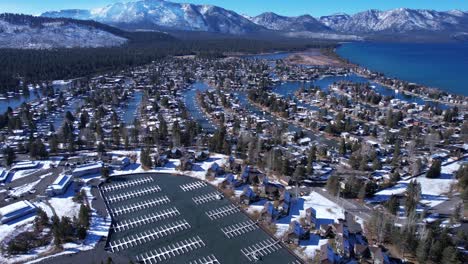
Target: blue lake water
[(190, 101), (132, 109), (441, 65), (289, 88), (17, 100)]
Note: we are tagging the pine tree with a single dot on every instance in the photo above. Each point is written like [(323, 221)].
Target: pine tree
[(342, 147), (450, 256), (392, 204), (333, 185), (9, 155), (435, 169)]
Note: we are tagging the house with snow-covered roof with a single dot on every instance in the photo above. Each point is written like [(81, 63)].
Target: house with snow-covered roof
[(311, 217), (25, 165), (16, 210), (60, 185), (248, 196), (269, 213), (3, 175), (87, 169), (296, 233)]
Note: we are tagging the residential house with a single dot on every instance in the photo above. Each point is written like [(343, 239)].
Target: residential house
[(214, 171), (311, 217), (361, 252), (284, 202), (296, 233), (230, 182), (327, 255), (202, 155), (378, 256), (248, 196), (269, 213), (87, 169), (16, 210), (60, 185)]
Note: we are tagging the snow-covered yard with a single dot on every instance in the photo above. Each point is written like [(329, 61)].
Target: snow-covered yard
[(328, 212), (198, 171), (11, 230), (434, 191), (64, 205)]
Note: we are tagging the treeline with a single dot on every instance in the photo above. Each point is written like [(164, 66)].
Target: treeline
[(34, 66)]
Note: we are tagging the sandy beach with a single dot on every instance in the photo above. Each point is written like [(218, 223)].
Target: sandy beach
[(313, 57)]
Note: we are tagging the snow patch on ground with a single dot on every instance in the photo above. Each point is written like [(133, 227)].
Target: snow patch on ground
[(18, 191), (64, 205), (434, 191)]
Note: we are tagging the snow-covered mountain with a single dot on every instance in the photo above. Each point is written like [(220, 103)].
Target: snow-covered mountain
[(159, 14), (165, 15), (28, 32), (399, 21), (294, 24)]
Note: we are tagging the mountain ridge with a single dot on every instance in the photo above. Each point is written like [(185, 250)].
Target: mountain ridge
[(31, 32), (370, 24)]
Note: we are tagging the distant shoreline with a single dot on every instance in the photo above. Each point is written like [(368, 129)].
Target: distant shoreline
[(302, 58)]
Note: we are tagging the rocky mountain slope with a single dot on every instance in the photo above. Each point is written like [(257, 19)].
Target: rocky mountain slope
[(158, 14), (398, 21), (164, 15), (282, 23), (28, 32)]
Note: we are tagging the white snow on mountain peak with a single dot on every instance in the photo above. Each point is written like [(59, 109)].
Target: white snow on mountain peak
[(158, 14)]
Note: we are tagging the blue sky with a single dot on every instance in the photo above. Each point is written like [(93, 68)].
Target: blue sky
[(250, 7)]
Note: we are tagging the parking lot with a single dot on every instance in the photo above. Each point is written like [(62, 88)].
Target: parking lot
[(162, 218)]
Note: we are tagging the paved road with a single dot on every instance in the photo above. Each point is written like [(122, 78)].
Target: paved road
[(355, 208), (448, 207)]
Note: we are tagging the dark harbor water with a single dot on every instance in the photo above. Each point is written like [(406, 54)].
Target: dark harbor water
[(289, 88), (441, 65), (16, 100), (190, 101), (131, 111)]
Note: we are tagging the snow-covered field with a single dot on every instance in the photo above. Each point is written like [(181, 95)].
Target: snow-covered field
[(11, 230), (434, 191), (64, 205), (198, 171), (328, 212)]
